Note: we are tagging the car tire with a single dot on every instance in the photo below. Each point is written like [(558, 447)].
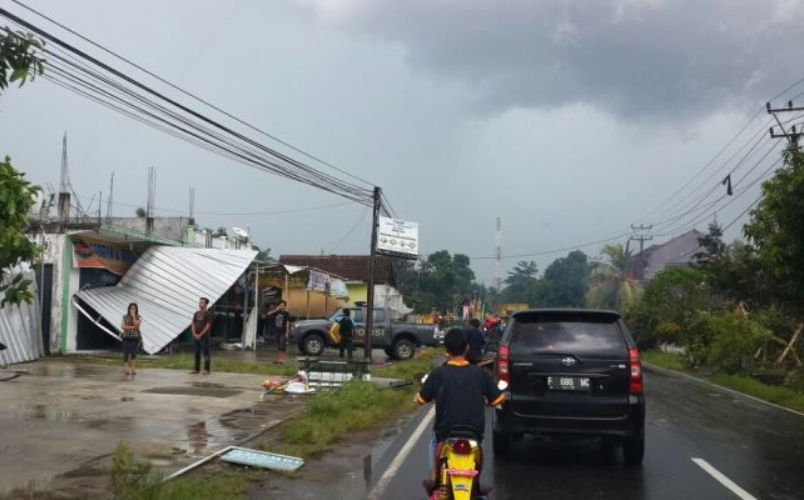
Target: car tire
[(500, 443), (634, 450), (313, 345), (389, 352), (403, 349)]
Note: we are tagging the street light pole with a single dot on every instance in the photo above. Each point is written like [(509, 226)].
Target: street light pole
[(375, 221)]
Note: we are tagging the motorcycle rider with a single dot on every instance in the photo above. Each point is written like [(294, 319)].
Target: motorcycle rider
[(461, 392)]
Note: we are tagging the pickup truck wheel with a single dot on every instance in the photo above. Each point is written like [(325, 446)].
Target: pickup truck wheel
[(313, 345), (404, 349)]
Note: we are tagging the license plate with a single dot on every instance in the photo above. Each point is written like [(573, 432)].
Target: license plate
[(569, 383)]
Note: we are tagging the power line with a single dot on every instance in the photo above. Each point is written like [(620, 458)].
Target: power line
[(351, 231), (555, 250), (278, 163), (191, 95)]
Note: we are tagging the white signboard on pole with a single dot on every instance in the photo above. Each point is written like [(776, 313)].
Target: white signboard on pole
[(398, 237)]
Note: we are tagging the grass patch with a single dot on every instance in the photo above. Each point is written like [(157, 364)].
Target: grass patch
[(355, 406), (775, 394), (665, 360), (132, 479), (782, 396), (186, 361), (331, 415)]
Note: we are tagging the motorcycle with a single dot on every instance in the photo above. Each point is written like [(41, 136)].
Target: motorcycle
[(460, 458)]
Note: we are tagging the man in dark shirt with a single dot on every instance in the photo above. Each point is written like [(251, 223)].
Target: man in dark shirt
[(476, 342), (279, 323), (201, 326), (347, 333), (461, 392)]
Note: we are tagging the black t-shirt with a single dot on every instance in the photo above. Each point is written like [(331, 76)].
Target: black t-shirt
[(461, 392), (201, 319), (278, 321), (347, 326)]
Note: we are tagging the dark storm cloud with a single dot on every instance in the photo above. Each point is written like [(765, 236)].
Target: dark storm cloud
[(635, 58)]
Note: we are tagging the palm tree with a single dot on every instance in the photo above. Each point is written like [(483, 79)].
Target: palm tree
[(611, 285)]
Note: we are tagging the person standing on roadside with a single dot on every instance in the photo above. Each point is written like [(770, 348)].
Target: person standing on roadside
[(131, 338), (347, 328), (279, 323), (201, 328)]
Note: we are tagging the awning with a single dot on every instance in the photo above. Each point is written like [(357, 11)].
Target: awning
[(166, 283)]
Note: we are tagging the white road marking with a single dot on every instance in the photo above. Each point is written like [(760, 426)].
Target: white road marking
[(722, 479), (393, 468)]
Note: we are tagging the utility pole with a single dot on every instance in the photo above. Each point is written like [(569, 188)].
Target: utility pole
[(641, 235), (375, 222), (791, 135), (110, 201)]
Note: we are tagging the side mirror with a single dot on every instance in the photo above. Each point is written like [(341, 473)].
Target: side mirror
[(502, 385)]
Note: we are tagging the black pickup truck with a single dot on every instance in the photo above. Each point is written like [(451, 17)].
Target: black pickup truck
[(399, 340)]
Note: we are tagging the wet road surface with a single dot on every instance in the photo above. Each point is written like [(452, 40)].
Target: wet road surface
[(755, 449)]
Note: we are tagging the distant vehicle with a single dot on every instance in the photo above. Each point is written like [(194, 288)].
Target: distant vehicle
[(399, 340), (570, 373)]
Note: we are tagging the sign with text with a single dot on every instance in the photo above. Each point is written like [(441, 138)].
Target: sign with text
[(398, 236), (318, 281)]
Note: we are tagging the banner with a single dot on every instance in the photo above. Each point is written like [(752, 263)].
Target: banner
[(91, 254), (318, 281), (398, 236)]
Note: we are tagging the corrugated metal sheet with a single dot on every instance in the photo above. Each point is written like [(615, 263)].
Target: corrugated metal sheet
[(20, 328), (166, 283)]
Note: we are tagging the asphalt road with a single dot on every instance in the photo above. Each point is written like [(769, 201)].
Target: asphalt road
[(703, 442)]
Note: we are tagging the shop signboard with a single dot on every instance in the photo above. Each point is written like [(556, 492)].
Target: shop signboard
[(398, 237)]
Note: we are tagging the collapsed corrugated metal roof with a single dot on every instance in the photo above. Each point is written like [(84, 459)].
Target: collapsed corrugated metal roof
[(20, 329), (166, 283)]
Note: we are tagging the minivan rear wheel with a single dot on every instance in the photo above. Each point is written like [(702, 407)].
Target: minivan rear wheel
[(634, 450)]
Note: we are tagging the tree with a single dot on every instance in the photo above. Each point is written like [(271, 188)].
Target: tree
[(522, 283), (610, 285), (19, 61), (775, 228), (565, 281), (17, 197), (439, 282), (140, 212), (220, 232)]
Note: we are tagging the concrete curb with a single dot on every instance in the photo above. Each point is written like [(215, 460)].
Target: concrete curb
[(673, 373)]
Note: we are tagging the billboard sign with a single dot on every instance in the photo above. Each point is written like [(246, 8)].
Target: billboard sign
[(398, 237)]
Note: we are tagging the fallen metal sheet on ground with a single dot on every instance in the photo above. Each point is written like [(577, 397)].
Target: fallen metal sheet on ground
[(264, 459)]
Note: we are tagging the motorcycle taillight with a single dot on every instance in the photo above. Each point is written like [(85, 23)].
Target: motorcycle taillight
[(462, 447)]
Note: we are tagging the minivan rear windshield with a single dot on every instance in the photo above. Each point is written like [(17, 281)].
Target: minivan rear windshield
[(593, 337)]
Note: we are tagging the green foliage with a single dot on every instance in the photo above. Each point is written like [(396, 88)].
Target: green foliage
[(610, 285), (795, 380), (522, 285), (723, 341), (439, 282), (775, 229), (140, 212), (675, 296), (332, 415), (17, 196), (565, 281), (19, 59), (133, 479)]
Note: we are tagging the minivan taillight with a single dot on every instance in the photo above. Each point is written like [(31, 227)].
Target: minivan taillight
[(635, 366), (503, 364)]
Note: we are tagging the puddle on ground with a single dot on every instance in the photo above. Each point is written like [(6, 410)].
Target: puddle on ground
[(210, 392)]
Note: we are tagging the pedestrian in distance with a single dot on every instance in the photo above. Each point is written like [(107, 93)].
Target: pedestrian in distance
[(347, 329), (279, 323), (474, 338), (131, 338), (201, 328)]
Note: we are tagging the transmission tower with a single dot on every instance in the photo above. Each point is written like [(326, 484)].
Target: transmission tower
[(110, 201), (498, 256), (791, 135)]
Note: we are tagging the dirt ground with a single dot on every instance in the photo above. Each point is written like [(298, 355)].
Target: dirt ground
[(61, 422)]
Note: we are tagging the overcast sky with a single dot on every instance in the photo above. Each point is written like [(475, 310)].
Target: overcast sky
[(568, 119)]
